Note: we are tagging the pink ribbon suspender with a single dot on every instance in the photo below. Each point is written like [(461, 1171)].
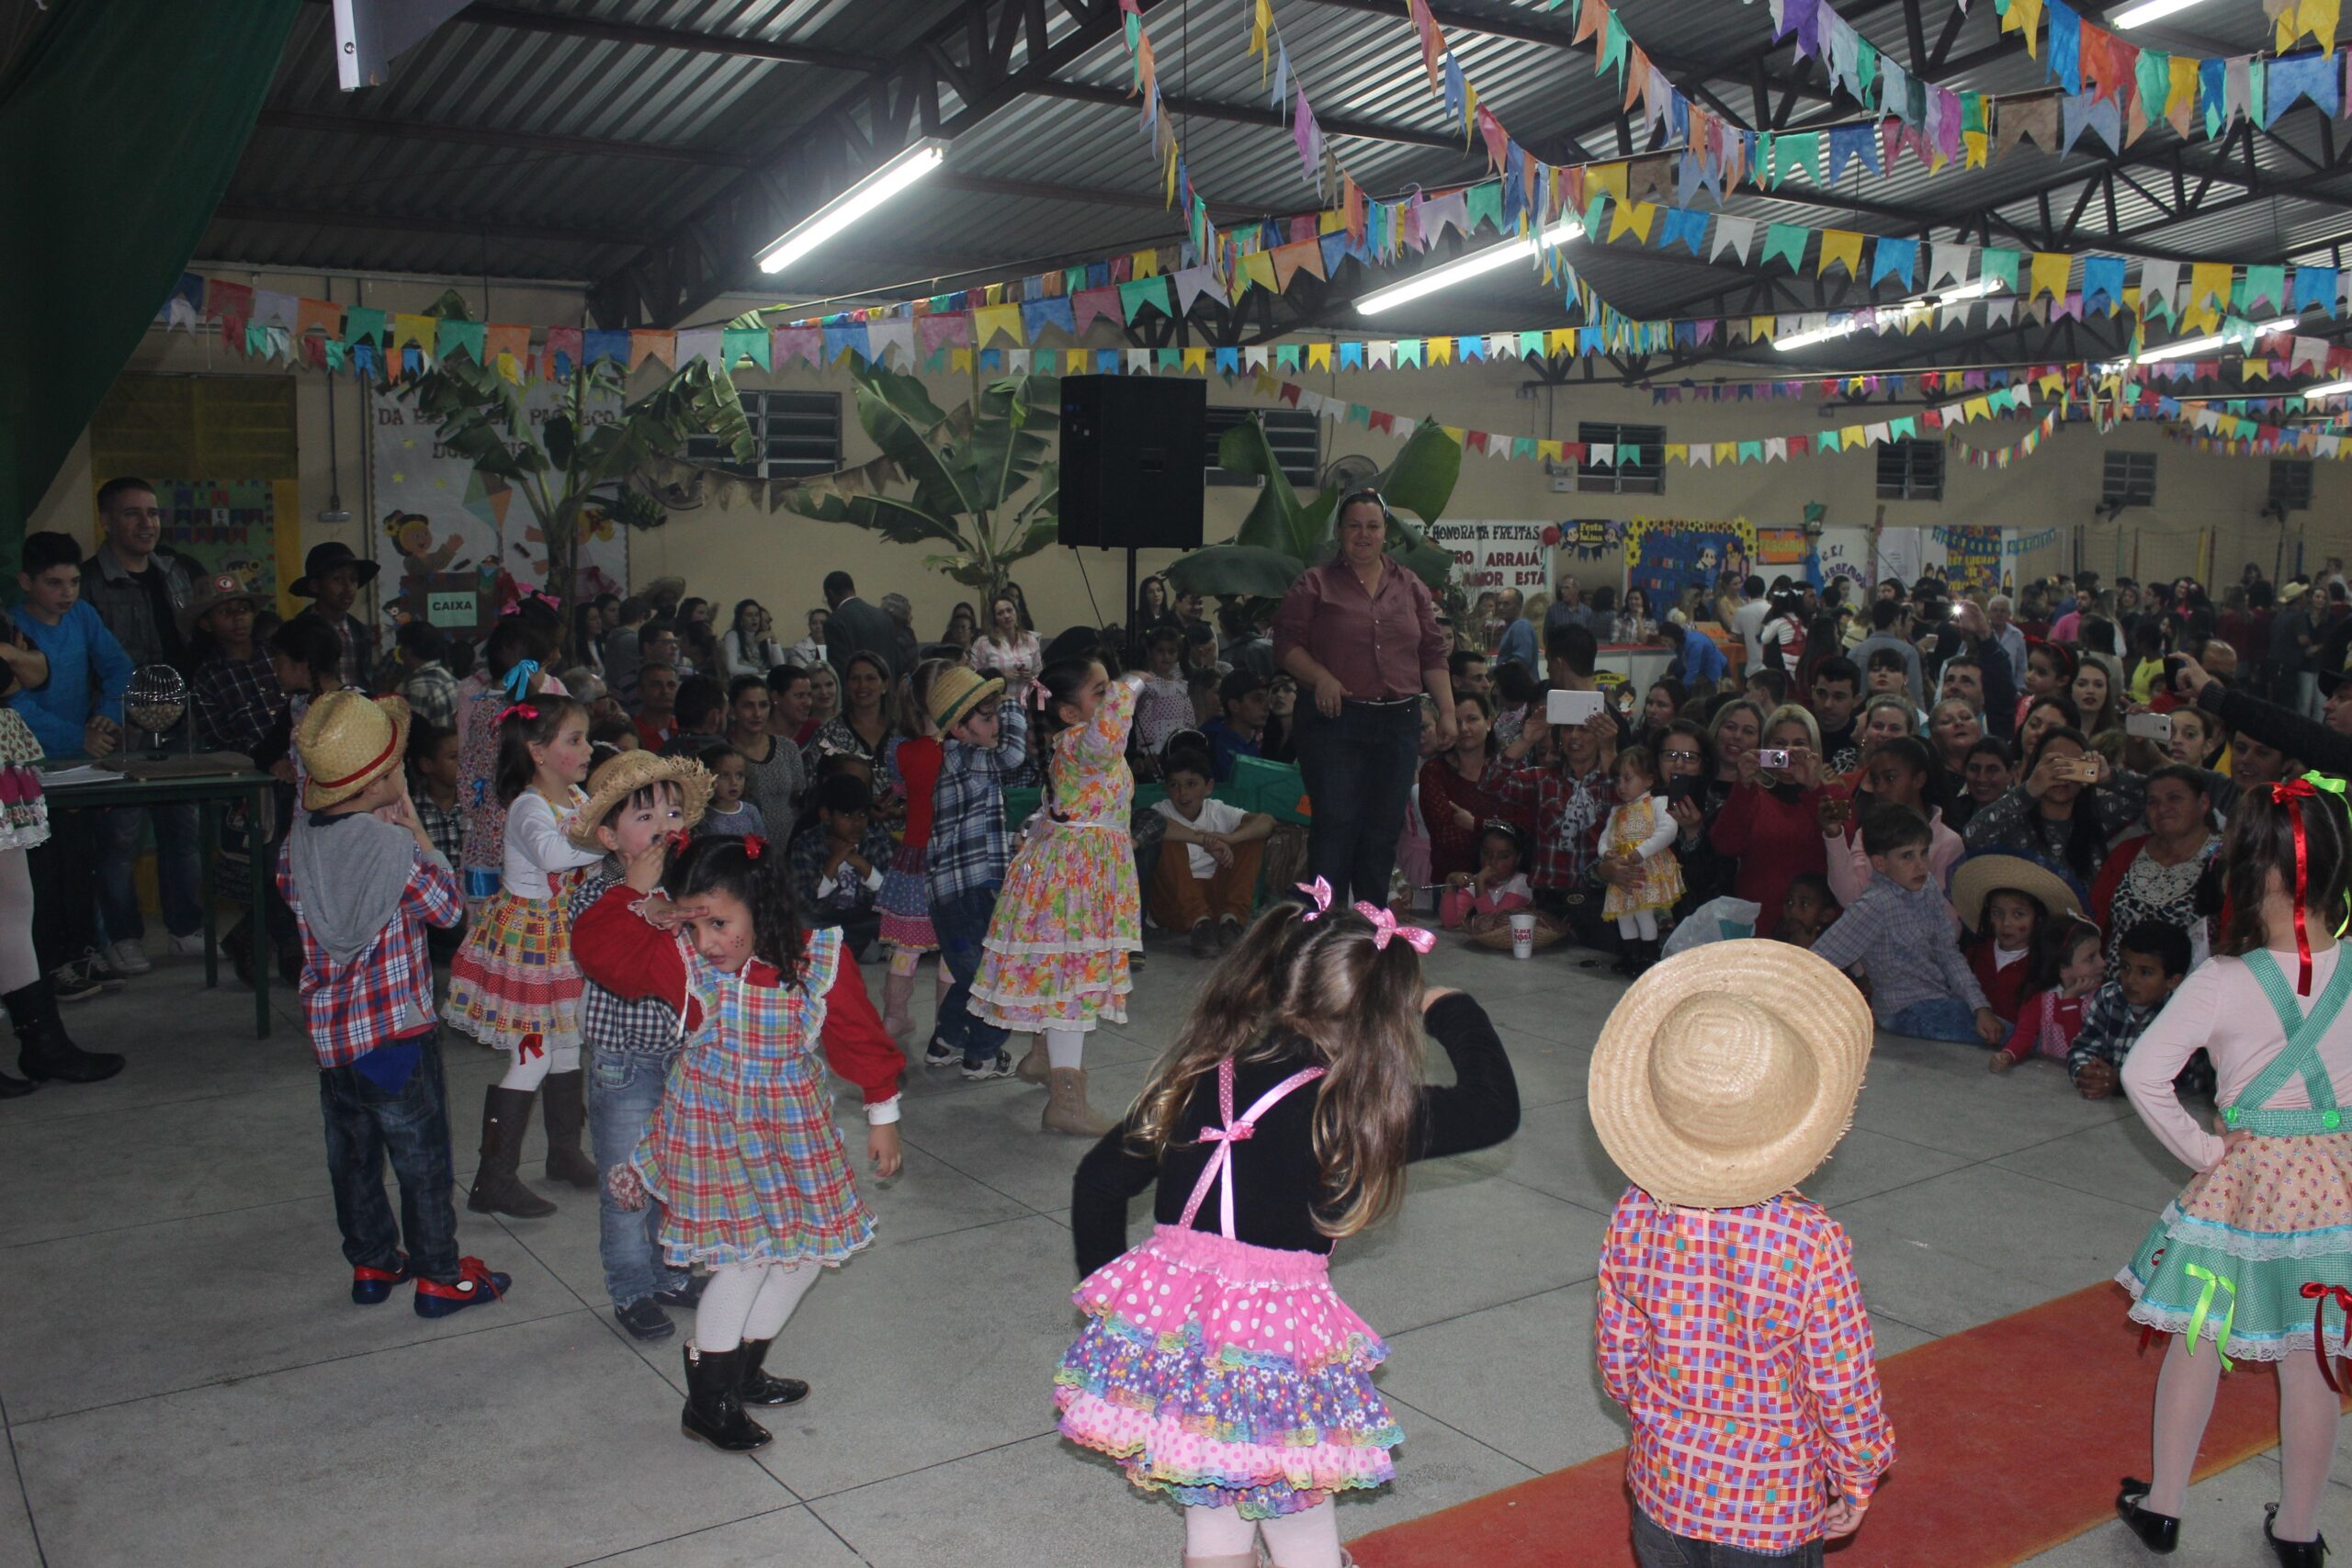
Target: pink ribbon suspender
[(1232, 1133)]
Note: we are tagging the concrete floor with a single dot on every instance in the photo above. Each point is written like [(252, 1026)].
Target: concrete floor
[(183, 1379)]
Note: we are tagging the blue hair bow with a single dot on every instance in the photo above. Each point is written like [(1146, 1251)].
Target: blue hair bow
[(518, 678)]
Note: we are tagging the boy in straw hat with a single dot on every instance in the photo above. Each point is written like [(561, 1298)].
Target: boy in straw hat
[(364, 882), (982, 739), (1730, 1325), (635, 800)]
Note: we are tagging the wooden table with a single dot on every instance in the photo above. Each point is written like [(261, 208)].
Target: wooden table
[(210, 793)]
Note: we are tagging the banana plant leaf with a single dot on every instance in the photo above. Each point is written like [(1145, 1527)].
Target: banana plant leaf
[(899, 414), (902, 522), (1236, 571), (1002, 450)]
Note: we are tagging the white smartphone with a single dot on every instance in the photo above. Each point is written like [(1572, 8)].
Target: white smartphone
[(1571, 708), (2153, 725)]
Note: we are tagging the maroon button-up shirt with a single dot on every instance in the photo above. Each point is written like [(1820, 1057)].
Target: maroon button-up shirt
[(1377, 644)]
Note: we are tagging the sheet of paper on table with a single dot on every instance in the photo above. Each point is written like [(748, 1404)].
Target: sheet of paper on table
[(78, 773)]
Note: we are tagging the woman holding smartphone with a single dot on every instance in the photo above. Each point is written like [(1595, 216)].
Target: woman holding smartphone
[(2069, 808)]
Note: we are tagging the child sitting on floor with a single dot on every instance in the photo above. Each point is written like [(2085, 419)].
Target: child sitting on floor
[(1729, 1322), (2066, 970), (837, 857), (2151, 964), (1482, 902), (2007, 901), (1903, 935), (1206, 878), (1809, 909)]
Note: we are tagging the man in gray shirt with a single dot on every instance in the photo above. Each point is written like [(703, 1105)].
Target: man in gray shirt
[(1568, 609), (1890, 628)]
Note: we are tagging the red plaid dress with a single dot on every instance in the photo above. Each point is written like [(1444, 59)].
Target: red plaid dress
[(1736, 1341), (742, 1153)]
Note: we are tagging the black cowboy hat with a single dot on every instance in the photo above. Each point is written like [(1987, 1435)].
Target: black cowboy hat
[(324, 558)]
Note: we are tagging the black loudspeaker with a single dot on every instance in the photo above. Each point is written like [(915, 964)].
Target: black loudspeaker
[(1135, 459)]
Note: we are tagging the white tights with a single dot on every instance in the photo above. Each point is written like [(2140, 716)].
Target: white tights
[(528, 1069), (749, 1300), (1309, 1539), (2308, 1412), (1639, 926), (1064, 1047)]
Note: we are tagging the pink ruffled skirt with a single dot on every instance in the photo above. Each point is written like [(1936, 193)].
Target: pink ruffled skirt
[(1226, 1374)]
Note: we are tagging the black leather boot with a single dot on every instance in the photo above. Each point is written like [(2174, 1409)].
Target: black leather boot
[(757, 1388), (43, 1049), (714, 1412), (2292, 1553), (506, 1117), (564, 1105), (15, 1088), (2158, 1533)]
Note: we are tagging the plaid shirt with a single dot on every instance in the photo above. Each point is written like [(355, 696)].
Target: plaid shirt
[(236, 702), (2111, 1026), (646, 1025), (969, 846), (386, 993), (1908, 944), (445, 828), (1738, 1342), (1568, 815)]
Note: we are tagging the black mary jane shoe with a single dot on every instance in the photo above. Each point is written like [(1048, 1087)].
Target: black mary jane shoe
[(2292, 1553), (2159, 1533)]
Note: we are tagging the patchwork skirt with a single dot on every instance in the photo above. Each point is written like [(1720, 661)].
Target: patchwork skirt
[(514, 977)]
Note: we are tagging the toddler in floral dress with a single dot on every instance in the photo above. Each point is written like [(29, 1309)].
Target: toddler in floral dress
[(1640, 833)]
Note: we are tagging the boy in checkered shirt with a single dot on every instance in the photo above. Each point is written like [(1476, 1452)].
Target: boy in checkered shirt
[(984, 739), (364, 883)]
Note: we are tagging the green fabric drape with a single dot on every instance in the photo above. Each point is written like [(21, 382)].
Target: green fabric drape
[(120, 126)]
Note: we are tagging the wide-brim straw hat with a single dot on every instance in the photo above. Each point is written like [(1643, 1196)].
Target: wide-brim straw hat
[(957, 693), (1978, 875), (347, 740), (1727, 1073), (632, 771)]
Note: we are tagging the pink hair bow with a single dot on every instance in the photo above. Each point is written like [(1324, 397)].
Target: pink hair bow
[(1319, 890), (517, 710), (514, 606), (1384, 926)]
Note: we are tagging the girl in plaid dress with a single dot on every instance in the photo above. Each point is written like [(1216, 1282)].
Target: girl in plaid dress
[(743, 1154), (514, 986)]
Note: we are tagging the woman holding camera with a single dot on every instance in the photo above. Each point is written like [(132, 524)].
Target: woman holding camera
[(1771, 825), (2069, 808)]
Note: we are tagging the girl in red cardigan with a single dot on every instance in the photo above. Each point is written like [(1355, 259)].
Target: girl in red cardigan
[(2069, 963), (2006, 902), (743, 1154)]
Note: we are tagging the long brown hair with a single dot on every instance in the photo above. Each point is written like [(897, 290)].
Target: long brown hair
[(1356, 1005), (2261, 839)]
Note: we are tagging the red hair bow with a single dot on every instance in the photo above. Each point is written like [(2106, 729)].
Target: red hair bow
[(679, 840), (753, 846), (2291, 794), (2319, 1295), (524, 711)]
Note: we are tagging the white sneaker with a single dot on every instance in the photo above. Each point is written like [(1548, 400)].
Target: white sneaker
[(127, 957), (188, 946)]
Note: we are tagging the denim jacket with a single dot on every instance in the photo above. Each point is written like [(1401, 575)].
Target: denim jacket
[(124, 604)]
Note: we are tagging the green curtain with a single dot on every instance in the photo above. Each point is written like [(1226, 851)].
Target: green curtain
[(120, 123)]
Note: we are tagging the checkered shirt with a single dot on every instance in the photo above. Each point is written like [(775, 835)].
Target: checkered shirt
[(1568, 815), (648, 1026), (237, 700), (386, 993), (969, 846), (2111, 1026), (1738, 1345), (444, 825)]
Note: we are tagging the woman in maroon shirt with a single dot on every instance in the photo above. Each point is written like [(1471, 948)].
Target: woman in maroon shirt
[(1460, 790), (1360, 633)]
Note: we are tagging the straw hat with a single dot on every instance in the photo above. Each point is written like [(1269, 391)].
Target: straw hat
[(348, 740), (1980, 875), (1727, 1073), (624, 776), (958, 691)]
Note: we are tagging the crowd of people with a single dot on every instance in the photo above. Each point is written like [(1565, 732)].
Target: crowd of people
[(641, 858)]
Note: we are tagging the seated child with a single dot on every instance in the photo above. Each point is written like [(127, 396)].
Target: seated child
[(1207, 877), (1206, 688), (1164, 707), (1729, 1322), (2067, 970), (1809, 909), (837, 860), (2151, 963), (1903, 935), (2006, 902), (1482, 902), (730, 815), (617, 733)]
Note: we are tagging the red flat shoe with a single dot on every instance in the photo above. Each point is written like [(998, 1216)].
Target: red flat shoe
[(372, 1287)]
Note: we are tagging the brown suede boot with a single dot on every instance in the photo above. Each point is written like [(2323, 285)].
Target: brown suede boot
[(898, 996), (1246, 1560), (506, 1116), (1033, 1066), (1066, 1107), (564, 1106)]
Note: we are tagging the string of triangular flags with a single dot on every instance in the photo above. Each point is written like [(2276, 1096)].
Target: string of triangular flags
[(2002, 456), (2188, 92)]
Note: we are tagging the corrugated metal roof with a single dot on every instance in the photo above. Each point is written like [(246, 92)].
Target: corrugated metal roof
[(535, 210)]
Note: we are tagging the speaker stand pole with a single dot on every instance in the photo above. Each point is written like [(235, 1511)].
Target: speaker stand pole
[(1133, 602)]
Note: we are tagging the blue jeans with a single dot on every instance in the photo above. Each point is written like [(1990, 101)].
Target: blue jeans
[(624, 1089), (1938, 1018), (961, 924), (365, 1123), (179, 870), (1656, 1547), (1359, 770)]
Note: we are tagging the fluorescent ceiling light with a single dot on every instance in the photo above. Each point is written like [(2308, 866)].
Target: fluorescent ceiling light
[(1955, 296), (2333, 390), (852, 204), (2187, 348), (2150, 11), (1475, 265)]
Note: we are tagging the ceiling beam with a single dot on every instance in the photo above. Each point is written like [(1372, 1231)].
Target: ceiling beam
[(485, 136), (1252, 114), (568, 25), (236, 211)]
